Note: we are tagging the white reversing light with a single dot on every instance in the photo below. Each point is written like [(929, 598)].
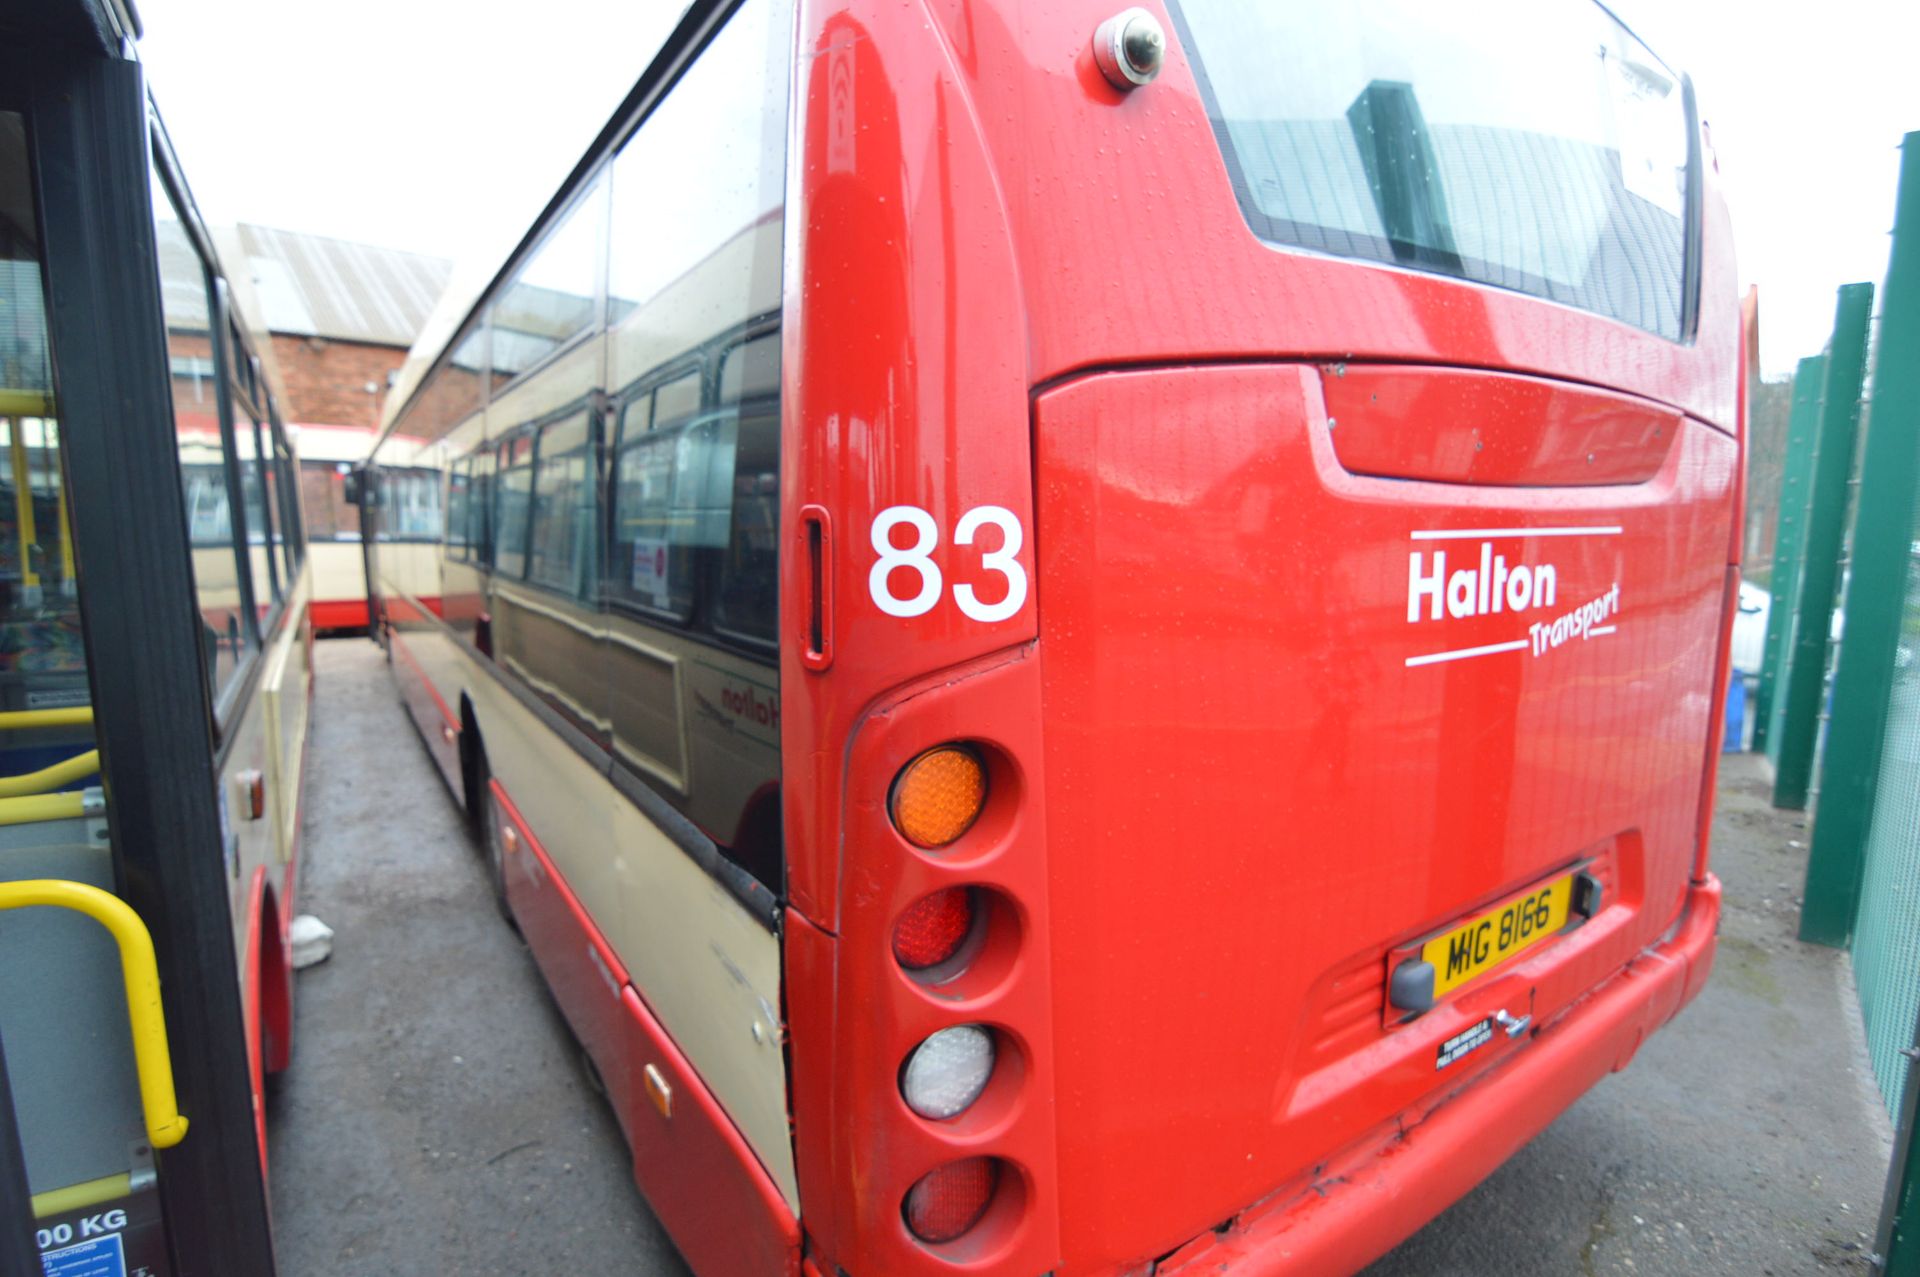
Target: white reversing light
[(946, 1073)]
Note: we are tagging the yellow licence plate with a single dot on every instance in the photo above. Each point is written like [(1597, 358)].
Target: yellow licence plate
[(1484, 942)]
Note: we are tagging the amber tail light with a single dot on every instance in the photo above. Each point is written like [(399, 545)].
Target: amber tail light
[(948, 1200), (938, 796)]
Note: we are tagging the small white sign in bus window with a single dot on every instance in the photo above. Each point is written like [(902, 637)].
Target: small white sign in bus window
[(650, 570)]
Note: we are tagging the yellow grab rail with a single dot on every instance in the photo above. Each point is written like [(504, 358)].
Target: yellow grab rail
[(18, 402), (13, 720), (165, 1124), (34, 808), (61, 773), (25, 534), (94, 1192)]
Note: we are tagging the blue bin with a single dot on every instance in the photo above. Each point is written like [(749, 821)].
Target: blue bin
[(1736, 739)]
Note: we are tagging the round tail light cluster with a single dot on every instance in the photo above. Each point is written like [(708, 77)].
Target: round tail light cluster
[(932, 930), (935, 800), (948, 1200)]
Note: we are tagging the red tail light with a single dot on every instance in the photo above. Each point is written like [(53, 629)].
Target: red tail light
[(932, 930), (950, 1199)]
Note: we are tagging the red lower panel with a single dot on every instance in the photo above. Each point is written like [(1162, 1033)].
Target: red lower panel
[(431, 714), (338, 614), (586, 979), (403, 609), (702, 1180), (1368, 1200), (253, 994)]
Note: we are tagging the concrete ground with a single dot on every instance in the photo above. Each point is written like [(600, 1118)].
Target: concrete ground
[(436, 1119)]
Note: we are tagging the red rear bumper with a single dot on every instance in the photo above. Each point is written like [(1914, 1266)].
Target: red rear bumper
[(338, 614), (1371, 1198)]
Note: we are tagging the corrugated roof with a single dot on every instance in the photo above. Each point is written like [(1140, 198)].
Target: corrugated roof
[(315, 286)]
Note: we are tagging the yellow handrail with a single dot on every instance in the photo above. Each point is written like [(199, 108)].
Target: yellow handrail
[(26, 536), (94, 1192), (34, 808), (14, 720), (47, 778), (165, 1124), (15, 401)]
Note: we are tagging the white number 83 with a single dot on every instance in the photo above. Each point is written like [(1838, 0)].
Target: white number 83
[(918, 558)]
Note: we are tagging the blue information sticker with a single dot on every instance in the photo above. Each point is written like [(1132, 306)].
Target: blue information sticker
[(101, 1257)]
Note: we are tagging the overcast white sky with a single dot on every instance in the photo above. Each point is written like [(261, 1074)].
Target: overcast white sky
[(384, 121)]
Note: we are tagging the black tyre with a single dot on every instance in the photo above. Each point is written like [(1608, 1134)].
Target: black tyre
[(492, 845)]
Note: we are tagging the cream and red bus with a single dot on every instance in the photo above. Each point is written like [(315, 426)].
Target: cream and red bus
[(1090, 642), (154, 686), (329, 457)]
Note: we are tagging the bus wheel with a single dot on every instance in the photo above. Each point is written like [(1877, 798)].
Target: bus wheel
[(492, 844)]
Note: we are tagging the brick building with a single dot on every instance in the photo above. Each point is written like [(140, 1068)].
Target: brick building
[(338, 320), (341, 316)]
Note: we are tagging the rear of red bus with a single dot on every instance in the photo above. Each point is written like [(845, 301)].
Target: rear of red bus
[(1304, 484)]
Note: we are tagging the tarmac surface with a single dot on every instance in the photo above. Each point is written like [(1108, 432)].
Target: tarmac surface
[(436, 1119)]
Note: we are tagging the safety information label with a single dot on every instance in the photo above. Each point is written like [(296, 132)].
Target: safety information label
[(123, 1237), (101, 1257), (1463, 1042)]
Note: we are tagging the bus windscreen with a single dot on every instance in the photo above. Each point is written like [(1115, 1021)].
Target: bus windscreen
[(1540, 147)]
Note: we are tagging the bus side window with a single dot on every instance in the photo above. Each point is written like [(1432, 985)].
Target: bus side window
[(480, 509), (512, 502), (551, 300), (747, 597), (253, 495), (458, 485), (226, 636), (653, 536), (323, 497), (287, 498), (565, 512), (417, 502)]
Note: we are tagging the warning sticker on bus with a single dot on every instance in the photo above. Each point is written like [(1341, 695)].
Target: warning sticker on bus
[(1488, 939), (1467, 1040), (102, 1257)]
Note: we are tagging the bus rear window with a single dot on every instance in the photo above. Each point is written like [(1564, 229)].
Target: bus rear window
[(1539, 147)]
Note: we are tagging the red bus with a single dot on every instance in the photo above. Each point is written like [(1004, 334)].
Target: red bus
[(1092, 643)]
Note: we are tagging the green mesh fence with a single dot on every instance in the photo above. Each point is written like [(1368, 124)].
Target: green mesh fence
[(1886, 942)]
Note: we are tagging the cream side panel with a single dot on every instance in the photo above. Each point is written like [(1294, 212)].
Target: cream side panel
[(331, 443), (466, 436), (709, 299), (270, 734), (564, 799), (712, 976), (339, 570), (411, 568), (555, 386), (288, 711), (697, 957)]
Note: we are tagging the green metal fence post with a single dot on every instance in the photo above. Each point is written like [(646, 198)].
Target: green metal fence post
[(1789, 539), (1805, 671), (1876, 588)]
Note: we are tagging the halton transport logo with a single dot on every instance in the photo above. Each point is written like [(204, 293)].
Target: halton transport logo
[(1503, 575)]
